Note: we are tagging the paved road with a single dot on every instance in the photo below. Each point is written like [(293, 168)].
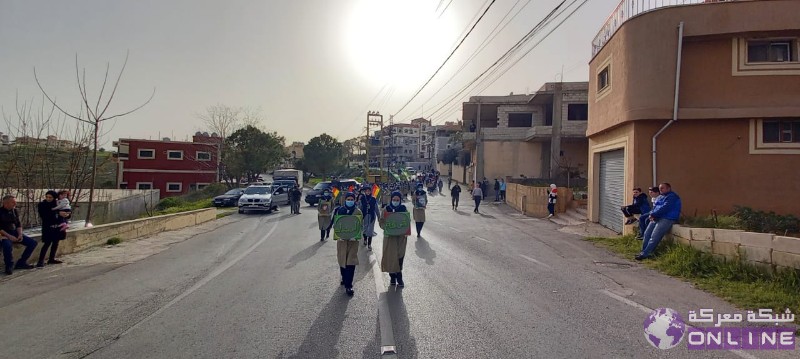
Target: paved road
[(494, 285)]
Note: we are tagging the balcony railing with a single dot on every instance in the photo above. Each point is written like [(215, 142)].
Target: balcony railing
[(628, 9)]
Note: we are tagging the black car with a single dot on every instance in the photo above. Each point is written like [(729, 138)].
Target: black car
[(229, 199), (312, 197)]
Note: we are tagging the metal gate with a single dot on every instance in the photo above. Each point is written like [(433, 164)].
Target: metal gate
[(612, 184)]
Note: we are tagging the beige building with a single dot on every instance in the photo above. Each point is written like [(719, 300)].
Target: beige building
[(733, 92), (542, 135)]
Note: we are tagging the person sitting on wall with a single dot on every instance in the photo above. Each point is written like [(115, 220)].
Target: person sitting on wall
[(640, 205), (665, 213)]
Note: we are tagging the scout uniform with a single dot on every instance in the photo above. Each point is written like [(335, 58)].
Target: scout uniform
[(394, 247), (325, 215), (347, 249), (419, 209)]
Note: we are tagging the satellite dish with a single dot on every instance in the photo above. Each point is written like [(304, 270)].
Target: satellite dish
[(214, 134), (205, 134), (198, 133)]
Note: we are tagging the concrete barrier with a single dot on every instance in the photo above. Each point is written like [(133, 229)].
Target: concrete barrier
[(761, 249), (532, 201), (83, 238)]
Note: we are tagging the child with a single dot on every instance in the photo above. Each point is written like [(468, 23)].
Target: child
[(63, 205)]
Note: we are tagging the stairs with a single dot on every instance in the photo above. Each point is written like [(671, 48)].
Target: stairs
[(572, 217)]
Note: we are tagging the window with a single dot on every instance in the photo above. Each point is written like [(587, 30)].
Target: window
[(174, 186), (520, 119), (147, 154), (144, 185), (577, 112), (781, 131), (203, 156), (604, 79), (202, 185), (175, 154), (771, 51)]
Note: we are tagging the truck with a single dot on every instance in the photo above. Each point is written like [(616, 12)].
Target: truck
[(288, 174)]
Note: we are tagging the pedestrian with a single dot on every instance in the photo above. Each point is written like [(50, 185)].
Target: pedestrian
[(369, 208), (449, 181), (665, 213), (325, 214), (640, 205), (441, 185), (296, 195), (484, 187), (455, 192), (52, 224), (394, 247), (552, 196), (496, 190), (502, 190), (347, 248), (644, 218), (477, 195), (420, 199), (11, 232)]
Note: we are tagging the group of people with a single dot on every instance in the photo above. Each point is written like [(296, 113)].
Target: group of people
[(655, 221), (54, 212)]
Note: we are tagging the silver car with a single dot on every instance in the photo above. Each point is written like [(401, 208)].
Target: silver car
[(262, 198)]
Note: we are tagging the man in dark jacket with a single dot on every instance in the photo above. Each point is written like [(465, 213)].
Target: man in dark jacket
[(666, 211), (295, 195), (455, 192), (496, 190), (10, 233), (640, 205)]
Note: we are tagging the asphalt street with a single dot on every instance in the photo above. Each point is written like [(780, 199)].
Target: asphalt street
[(494, 285)]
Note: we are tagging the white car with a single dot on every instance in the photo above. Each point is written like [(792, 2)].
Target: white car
[(262, 198)]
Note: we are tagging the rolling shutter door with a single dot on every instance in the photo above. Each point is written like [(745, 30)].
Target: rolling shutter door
[(612, 176)]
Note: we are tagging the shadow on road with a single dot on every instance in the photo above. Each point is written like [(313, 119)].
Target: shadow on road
[(323, 336), (304, 255), (487, 216), (407, 344), (424, 251)]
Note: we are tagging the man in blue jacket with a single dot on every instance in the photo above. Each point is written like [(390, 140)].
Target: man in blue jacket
[(666, 211)]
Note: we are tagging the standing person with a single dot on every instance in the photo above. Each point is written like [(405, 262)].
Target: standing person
[(420, 200), (449, 181), (325, 214), (640, 205), (502, 190), (496, 190), (665, 213), (11, 232), (477, 195), (552, 196), (296, 195), (394, 247), (455, 192), (52, 224), (347, 249), (484, 187), (370, 210), (441, 185)]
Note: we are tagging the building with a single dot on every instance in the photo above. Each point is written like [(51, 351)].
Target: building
[(50, 141), (294, 152), (438, 139), (402, 144), (728, 73), (172, 167), (542, 135)]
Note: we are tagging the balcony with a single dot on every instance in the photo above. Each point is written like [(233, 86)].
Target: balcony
[(628, 9)]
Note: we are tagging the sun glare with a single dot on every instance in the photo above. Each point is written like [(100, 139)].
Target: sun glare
[(398, 41)]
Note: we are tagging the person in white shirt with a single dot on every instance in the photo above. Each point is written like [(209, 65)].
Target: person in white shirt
[(477, 195), (63, 205)]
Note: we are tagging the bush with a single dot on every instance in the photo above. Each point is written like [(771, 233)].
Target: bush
[(720, 222), (763, 222), (114, 241), (169, 202)]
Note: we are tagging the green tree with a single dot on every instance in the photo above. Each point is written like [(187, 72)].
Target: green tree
[(323, 155), (251, 152)]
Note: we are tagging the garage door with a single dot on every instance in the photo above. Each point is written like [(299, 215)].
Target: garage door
[(612, 176)]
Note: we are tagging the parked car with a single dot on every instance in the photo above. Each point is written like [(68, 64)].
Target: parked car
[(312, 197), (263, 198), (228, 199)]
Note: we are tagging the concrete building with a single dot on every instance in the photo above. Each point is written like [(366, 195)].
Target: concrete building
[(729, 74), (294, 152), (172, 167), (438, 139), (402, 144), (542, 135)]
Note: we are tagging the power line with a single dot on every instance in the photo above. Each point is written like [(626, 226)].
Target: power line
[(448, 57), (445, 7)]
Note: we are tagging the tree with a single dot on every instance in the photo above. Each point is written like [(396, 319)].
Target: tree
[(93, 116), (225, 120), (252, 152), (323, 155)]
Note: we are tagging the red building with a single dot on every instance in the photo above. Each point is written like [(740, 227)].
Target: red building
[(173, 167)]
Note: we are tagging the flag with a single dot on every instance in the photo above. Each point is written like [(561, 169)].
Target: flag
[(335, 193), (376, 190), (350, 189)]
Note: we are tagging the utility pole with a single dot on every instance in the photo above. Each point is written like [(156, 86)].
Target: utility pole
[(374, 120), (478, 146)]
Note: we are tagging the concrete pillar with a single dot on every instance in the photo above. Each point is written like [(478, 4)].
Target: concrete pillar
[(555, 143), (479, 147)]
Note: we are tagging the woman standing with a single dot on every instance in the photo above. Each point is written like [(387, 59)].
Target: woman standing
[(51, 228), (369, 207), (477, 195), (347, 249), (325, 214), (552, 196), (420, 198), (394, 247)]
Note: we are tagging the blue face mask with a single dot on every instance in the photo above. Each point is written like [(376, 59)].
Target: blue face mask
[(350, 203), (395, 203)]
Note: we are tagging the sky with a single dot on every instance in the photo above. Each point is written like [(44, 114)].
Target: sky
[(309, 66)]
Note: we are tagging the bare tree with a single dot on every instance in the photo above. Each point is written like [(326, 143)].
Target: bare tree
[(225, 120), (95, 115)]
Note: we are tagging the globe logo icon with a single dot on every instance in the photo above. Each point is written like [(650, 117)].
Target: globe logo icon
[(664, 328)]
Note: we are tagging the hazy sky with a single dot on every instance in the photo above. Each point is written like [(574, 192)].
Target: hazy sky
[(311, 66)]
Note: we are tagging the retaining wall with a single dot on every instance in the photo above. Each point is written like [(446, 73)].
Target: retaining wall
[(532, 201)]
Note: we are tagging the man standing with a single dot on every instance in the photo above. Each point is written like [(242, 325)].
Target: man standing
[(477, 195), (296, 194), (665, 213), (11, 232), (484, 187), (496, 190), (455, 192), (502, 190), (441, 185)]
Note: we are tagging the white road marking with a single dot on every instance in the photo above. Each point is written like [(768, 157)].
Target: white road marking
[(482, 239), (456, 230), (388, 348), (648, 310), (202, 282), (535, 261)]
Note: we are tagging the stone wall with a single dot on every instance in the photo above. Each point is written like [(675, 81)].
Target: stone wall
[(83, 238), (532, 201), (761, 249)]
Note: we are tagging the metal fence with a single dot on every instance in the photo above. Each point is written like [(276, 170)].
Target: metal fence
[(628, 9)]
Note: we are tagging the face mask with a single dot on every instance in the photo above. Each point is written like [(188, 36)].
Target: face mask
[(395, 203), (327, 194), (350, 203)]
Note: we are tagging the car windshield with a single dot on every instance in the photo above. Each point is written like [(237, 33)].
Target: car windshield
[(257, 190), (233, 192), (322, 186)]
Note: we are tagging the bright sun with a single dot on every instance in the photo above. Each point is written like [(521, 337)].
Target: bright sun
[(399, 42)]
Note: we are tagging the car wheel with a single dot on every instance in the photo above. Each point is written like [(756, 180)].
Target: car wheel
[(241, 211)]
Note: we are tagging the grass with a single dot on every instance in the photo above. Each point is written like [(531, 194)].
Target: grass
[(184, 207), (721, 222), (224, 214), (314, 181), (114, 241), (742, 284)]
